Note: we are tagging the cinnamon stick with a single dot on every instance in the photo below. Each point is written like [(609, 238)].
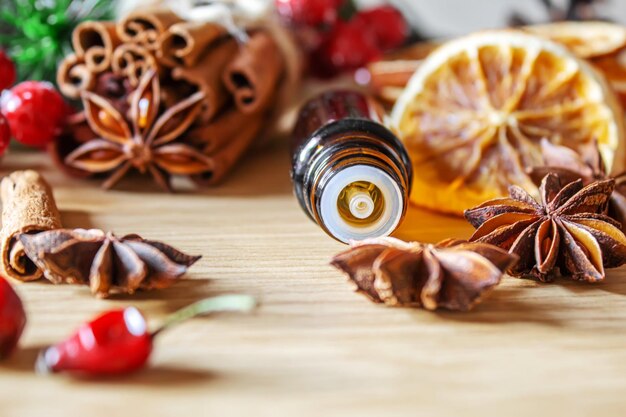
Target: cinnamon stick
[(184, 43), (28, 206), (253, 75), (392, 73), (224, 129), (132, 61), (95, 41), (414, 52), (207, 76), (145, 27), (73, 77), (231, 151)]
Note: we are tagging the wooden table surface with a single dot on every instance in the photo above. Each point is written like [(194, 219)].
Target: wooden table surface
[(314, 348)]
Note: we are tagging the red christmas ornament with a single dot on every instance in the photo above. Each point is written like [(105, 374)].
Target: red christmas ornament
[(387, 24), (5, 134), (7, 71), (12, 318), (36, 112), (118, 342), (309, 12)]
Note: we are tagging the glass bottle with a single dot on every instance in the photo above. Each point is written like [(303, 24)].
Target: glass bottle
[(351, 175)]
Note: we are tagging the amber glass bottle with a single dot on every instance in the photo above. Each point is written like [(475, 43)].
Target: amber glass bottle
[(351, 175)]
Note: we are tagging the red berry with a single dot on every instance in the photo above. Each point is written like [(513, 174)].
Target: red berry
[(116, 342), (7, 71), (348, 47), (309, 12), (12, 318), (388, 25), (5, 134), (36, 112)]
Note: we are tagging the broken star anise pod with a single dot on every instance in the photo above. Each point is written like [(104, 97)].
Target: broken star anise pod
[(145, 139), (570, 166), (567, 231), (452, 274), (103, 261)]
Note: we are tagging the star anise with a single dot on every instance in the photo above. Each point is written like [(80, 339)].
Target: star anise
[(452, 274), (145, 139), (567, 231), (571, 166), (103, 261)]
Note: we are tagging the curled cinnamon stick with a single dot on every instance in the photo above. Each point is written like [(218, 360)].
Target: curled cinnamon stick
[(145, 27), (392, 73), (95, 41), (28, 206), (132, 61), (207, 76), (221, 131), (73, 77), (253, 75), (232, 149), (184, 43)]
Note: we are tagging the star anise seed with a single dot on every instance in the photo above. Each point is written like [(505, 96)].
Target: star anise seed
[(146, 142), (452, 274), (567, 231), (571, 166), (103, 261)]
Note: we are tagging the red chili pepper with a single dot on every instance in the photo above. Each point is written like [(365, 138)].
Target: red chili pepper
[(12, 318), (118, 341)]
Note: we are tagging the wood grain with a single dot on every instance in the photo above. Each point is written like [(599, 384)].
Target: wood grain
[(314, 347)]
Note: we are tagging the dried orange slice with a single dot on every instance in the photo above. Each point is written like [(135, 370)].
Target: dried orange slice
[(474, 113), (585, 39), (613, 67)]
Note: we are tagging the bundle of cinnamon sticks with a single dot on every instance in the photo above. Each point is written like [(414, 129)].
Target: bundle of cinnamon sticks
[(239, 82)]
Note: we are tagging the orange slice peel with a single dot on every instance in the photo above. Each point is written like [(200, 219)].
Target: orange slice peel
[(474, 113)]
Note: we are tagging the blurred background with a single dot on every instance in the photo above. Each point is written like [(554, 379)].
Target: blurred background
[(444, 18)]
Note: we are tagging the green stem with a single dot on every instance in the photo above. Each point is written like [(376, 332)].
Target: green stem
[(219, 304)]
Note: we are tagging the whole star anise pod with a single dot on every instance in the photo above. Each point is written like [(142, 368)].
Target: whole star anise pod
[(452, 274), (571, 166), (566, 231), (146, 140), (103, 261)]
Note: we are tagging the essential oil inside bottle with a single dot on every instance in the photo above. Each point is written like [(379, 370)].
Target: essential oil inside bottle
[(351, 175), (360, 203)]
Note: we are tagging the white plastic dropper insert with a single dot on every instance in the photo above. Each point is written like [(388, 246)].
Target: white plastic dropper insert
[(361, 204)]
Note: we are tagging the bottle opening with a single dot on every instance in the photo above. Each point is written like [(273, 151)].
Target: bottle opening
[(360, 202)]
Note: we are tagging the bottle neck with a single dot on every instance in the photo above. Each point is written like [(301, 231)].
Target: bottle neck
[(353, 178)]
